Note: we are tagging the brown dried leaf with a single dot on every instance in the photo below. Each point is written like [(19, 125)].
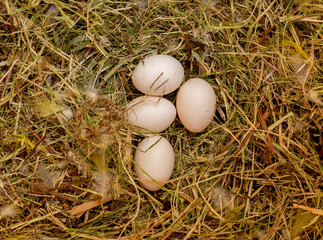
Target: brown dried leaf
[(82, 208)]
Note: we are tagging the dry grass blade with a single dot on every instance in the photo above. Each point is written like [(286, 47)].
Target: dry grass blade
[(309, 209)]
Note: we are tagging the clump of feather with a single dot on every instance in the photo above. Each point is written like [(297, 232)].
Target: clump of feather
[(53, 107), (103, 177), (10, 211), (45, 175), (315, 96)]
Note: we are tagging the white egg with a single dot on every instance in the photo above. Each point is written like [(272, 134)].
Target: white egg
[(158, 75), (154, 162), (195, 104), (151, 113)]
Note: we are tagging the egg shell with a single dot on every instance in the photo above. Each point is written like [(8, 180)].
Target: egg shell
[(151, 113), (158, 75), (195, 104), (154, 162)]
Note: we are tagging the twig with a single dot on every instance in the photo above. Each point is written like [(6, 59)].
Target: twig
[(269, 141), (7, 77), (35, 209), (265, 116), (125, 81), (42, 189)]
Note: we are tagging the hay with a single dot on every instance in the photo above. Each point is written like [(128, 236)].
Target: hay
[(65, 70)]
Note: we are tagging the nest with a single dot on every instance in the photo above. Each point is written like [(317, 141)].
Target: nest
[(66, 151)]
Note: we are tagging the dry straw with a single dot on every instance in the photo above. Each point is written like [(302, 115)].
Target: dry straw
[(65, 69)]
